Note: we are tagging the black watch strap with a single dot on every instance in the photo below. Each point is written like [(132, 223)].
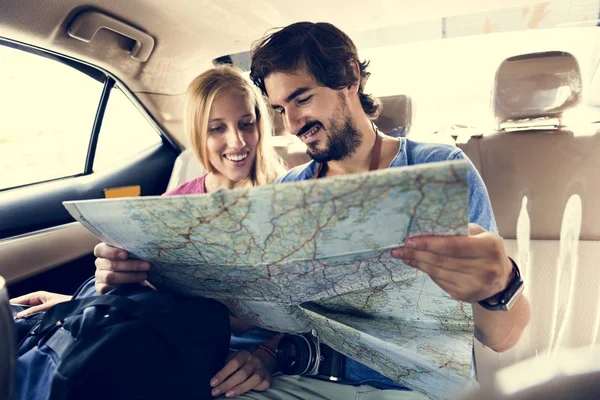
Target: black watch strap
[(504, 300)]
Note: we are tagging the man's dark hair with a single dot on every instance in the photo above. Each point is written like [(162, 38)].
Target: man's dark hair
[(327, 52)]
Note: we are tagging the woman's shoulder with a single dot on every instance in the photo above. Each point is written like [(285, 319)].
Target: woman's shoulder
[(195, 186)]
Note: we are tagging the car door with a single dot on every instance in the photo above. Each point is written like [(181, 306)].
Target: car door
[(68, 131)]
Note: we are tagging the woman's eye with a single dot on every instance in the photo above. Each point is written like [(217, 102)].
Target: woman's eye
[(216, 129), (247, 125)]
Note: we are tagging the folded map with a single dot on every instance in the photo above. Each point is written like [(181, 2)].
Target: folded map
[(315, 255)]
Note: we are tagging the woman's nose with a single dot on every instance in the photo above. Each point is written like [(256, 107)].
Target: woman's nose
[(235, 139)]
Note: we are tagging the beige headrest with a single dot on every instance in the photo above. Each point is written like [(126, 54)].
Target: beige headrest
[(536, 85), (396, 115)]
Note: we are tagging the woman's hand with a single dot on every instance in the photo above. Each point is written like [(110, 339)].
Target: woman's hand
[(244, 371), (39, 301)]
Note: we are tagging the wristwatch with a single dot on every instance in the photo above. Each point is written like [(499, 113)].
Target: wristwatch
[(504, 300)]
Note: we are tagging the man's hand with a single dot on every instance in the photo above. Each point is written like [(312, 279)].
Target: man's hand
[(469, 268), (114, 268), (244, 371), (39, 301)]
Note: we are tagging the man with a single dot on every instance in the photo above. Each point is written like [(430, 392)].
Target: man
[(312, 76)]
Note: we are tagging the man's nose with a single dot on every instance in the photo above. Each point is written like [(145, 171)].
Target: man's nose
[(235, 139), (293, 121)]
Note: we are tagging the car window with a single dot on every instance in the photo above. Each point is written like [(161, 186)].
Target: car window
[(47, 112), (125, 131), (451, 81)]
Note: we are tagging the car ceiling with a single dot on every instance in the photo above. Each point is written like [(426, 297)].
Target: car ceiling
[(189, 34)]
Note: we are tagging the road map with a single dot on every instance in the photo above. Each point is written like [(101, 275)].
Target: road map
[(315, 255)]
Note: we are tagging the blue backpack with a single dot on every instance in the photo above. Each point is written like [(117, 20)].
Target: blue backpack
[(133, 343)]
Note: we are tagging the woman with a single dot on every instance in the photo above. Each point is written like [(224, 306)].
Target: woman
[(226, 121)]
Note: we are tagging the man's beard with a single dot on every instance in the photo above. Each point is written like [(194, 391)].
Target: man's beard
[(343, 137)]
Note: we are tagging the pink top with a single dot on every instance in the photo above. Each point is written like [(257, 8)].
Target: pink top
[(195, 186)]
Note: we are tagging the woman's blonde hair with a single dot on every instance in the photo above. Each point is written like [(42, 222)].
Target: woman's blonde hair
[(199, 99)]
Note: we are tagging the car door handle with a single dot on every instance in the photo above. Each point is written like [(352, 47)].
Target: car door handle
[(86, 24)]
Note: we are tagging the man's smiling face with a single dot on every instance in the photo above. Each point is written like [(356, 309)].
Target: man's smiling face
[(318, 115)]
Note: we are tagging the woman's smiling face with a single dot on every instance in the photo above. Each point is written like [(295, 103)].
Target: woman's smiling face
[(232, 136)]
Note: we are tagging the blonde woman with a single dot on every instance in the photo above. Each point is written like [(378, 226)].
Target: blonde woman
[(226, 120)]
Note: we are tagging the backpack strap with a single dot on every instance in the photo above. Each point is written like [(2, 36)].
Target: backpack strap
[(84, 286), (55, 315), (60, 341), (146, 314)]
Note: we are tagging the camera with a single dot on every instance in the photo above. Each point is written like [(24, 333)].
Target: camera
[(304, 354)]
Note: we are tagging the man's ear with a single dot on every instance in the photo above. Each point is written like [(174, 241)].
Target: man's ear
[(353, 88)]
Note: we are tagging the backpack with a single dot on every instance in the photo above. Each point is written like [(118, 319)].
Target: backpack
[(133, 343)]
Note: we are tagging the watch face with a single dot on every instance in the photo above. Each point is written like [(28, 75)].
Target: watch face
[(514, 296)]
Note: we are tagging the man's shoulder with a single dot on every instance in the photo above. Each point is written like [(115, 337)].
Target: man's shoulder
[(299, 173), (422, 152)]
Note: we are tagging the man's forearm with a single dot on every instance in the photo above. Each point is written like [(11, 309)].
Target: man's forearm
[(501, 330)]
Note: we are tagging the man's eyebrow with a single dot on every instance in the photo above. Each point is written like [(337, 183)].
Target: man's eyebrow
[(296, 93), (292, 96)]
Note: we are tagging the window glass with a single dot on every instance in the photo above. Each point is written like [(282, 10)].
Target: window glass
[(125, 132), (47, 111)]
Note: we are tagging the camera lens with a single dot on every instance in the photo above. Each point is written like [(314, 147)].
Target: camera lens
[(296, 355)]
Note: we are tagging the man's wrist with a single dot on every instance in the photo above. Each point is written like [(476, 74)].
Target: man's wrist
[(505, 299), (509, 280), (505, 285), (512, 267)]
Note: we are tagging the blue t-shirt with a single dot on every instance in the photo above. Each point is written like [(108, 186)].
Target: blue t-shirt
[(412, 153)]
